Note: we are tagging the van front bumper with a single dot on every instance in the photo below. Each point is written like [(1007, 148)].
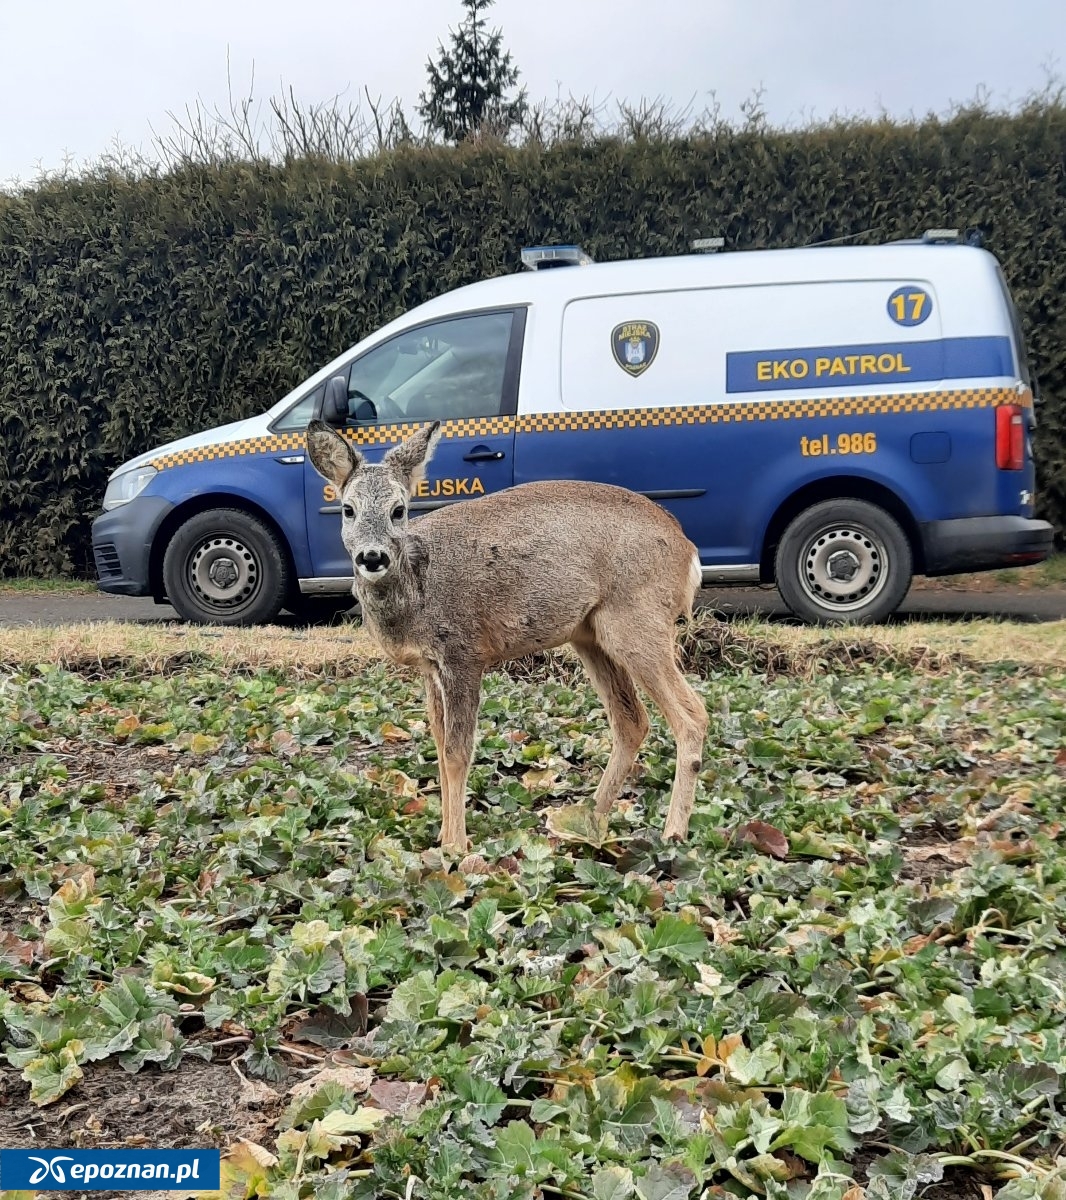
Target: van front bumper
[(122, 545), (984, 544)]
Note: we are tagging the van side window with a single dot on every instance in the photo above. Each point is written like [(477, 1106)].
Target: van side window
[(1020, 349), (445, 370), (301, 412)]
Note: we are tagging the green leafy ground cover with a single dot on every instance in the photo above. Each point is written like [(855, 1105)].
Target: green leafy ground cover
[(850, 983)]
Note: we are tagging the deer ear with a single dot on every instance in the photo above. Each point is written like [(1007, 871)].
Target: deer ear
[(408, 459), (332, 456)]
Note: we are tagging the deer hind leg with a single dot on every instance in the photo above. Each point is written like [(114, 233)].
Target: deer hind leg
[(460, 693), (625, 715), (435, 714), (650, 657)]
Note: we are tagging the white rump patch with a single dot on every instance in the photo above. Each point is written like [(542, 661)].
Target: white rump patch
[(695, 574)]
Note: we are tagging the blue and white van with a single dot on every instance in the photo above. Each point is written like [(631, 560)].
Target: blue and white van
[(834, 420)]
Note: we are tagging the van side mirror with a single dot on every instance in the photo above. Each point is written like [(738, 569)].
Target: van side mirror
[(335, 405)]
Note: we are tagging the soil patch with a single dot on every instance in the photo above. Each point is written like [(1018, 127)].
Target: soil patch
[(119, 766), (928, 863), (959, 1183), (199, 1106)]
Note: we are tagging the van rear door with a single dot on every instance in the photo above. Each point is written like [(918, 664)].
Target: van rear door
[(706, 399)]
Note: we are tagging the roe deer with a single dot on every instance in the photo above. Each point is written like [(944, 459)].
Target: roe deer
[(472, 585)]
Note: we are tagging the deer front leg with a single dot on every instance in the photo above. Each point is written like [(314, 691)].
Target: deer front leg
[(461, 692)]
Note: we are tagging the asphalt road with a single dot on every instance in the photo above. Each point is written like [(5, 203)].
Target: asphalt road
[(922, 604)]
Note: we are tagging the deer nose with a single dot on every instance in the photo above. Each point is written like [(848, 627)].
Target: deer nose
[(372, 560)]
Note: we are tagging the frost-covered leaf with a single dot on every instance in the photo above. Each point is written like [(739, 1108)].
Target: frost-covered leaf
[(898, 1175), (612, 1183), (672, 1181), (577, 823), (53, 1075)]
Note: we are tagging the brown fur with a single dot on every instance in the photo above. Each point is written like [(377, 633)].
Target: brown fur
[(476, 584)]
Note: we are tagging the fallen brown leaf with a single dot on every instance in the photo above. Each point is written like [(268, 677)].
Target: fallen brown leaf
[(955, 852), (284, 743), (254, 1093), (764, 837), (474, 864), (14, 949), (397, 1098), (393, 733), (355, 1079)]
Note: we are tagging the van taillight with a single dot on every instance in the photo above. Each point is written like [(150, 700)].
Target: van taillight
[(1010, 437)]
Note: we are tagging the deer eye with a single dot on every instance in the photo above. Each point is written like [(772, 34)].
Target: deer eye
[(348, 510), (397, 513)]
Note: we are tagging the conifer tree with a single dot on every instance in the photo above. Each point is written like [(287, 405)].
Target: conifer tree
[(470, 82)]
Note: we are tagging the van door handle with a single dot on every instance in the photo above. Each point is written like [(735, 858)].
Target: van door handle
[(483, 454)]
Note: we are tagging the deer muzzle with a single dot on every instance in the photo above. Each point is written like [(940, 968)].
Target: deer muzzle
[(372, 563)]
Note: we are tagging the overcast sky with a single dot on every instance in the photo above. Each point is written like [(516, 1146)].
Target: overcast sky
[(75, 75)]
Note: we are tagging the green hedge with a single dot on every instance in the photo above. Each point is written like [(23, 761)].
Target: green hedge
[(136, 309)]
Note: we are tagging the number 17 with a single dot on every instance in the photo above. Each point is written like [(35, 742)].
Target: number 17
[(916, 301)]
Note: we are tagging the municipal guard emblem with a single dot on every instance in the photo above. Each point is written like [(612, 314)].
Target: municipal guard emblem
[(635, 344)]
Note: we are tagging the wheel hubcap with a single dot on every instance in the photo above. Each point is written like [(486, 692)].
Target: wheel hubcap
[(224, 573), (844, 567)]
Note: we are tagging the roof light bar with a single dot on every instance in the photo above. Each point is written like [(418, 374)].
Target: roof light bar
[(542, 258)]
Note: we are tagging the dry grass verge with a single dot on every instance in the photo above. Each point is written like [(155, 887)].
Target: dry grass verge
[(708, 645), (109, 645), (925, 645)]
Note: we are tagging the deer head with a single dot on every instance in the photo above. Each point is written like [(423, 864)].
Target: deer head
[(374, 496)]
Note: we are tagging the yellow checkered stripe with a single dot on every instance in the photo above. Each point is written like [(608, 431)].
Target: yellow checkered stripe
[(274, 443), (742, 411), (370, 435), (468, 427), (746, 411)]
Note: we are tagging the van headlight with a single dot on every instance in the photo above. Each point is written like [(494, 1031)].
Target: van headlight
[(123, 488)]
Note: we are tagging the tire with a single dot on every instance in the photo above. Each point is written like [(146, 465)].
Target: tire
[(843, 562), (225, 567)]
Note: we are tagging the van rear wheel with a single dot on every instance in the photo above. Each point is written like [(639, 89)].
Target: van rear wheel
[(225, 567), (843, 562)]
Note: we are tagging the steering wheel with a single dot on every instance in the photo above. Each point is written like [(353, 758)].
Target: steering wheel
[(365, 410), (388, 409)]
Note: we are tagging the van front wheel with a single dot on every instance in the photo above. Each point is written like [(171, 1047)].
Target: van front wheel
[(843, 562), (224, 567)]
